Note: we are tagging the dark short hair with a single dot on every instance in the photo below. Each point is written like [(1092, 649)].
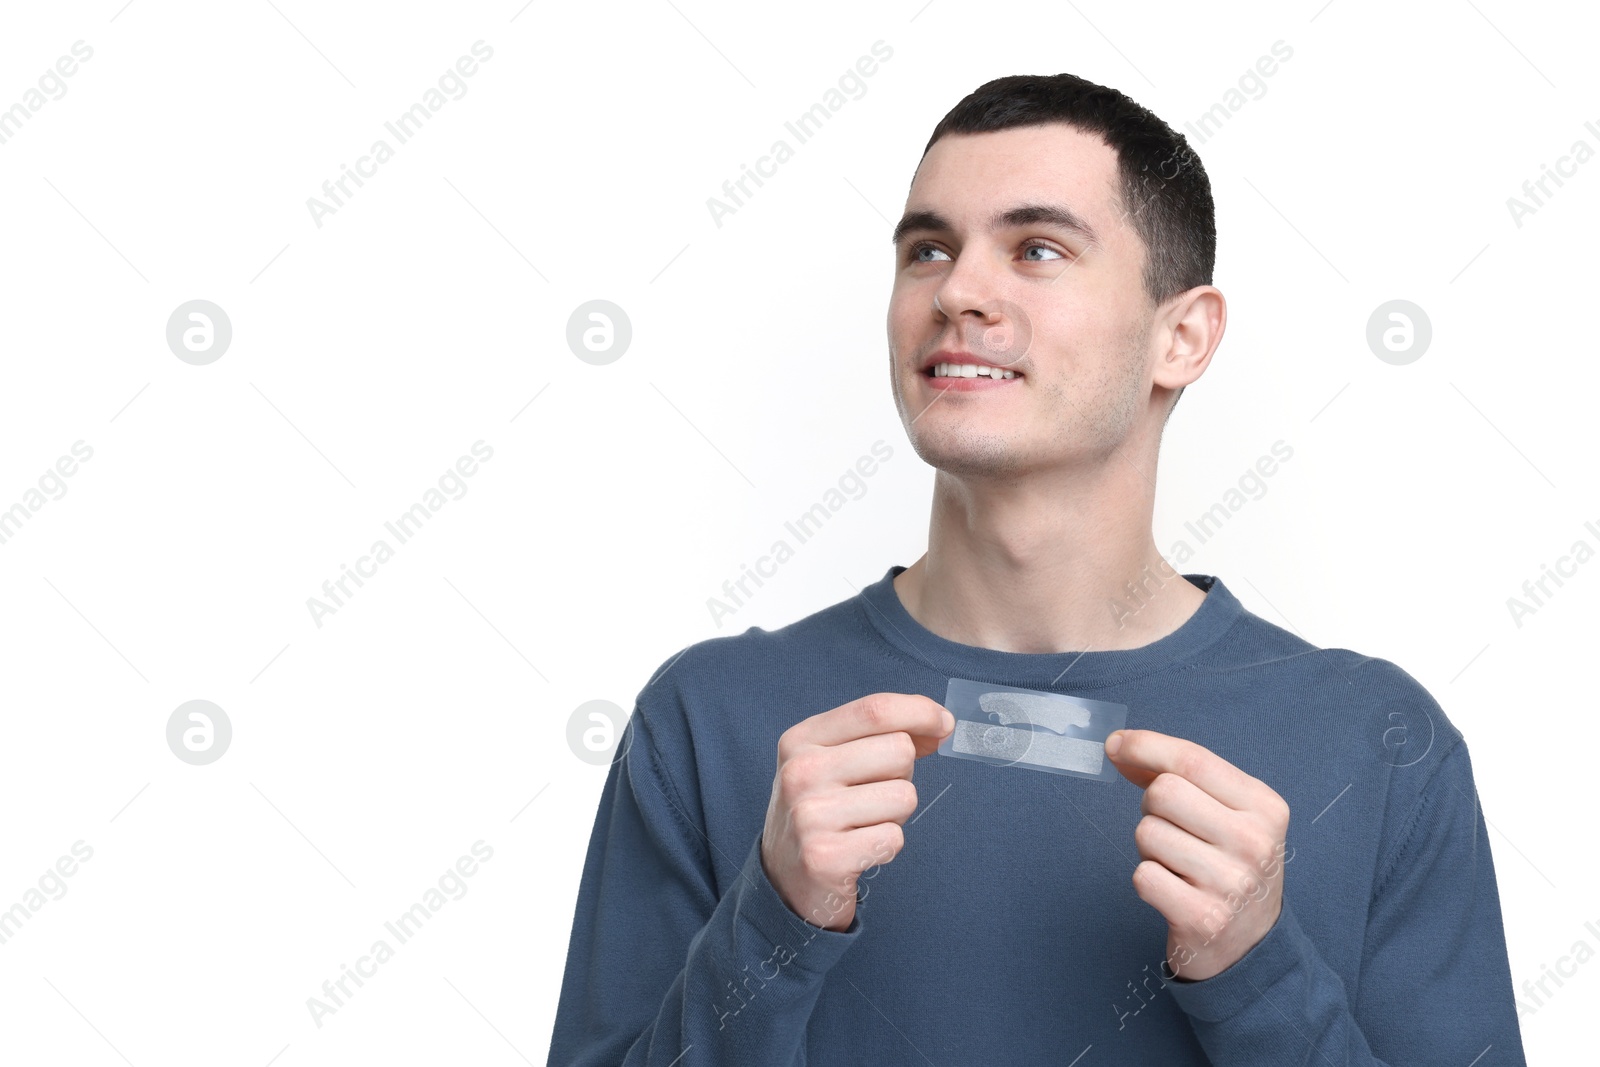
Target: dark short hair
[(1164, 191), (1164, 187)]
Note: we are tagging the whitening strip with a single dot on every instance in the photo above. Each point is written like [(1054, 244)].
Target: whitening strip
[(1013, 727)]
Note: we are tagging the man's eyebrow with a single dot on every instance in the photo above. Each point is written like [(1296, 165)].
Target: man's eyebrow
[(917, 221), (1058, 215)]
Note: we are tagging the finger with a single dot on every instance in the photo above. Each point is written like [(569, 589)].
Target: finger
[(859, 806), (878, 758), (879, 713), (1143, 754), (1190, 808), (1164, 891), (1185, 855), (875, 844)]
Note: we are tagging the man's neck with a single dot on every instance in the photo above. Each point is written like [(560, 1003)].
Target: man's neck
[(1033, 567)]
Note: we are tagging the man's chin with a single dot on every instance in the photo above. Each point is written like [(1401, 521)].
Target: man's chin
[(970, 457)]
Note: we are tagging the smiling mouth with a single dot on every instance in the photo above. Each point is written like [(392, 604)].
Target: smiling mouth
[(969, 370)]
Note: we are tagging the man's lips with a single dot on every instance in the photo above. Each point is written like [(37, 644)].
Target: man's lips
[(951, 366), (947, 371), (977, 383)]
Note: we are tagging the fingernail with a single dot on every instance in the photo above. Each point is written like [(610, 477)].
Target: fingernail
[(1113, 743), (949, 721)]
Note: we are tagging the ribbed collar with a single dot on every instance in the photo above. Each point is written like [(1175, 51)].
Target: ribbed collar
[(1064, 671)]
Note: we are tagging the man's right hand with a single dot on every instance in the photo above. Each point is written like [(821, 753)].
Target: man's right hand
[(841, 793)]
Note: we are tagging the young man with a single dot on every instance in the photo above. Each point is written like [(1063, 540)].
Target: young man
[(1291, 866)]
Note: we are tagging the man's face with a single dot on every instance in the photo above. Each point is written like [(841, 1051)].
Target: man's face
[(1065, 310)]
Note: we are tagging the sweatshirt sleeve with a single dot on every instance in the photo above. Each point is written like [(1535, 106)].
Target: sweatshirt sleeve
[(660, 971), (1435, 985)]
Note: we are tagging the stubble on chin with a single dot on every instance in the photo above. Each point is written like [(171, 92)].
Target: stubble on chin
[(959, 451)]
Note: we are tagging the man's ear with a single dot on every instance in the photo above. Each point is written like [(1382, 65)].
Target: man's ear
[(1190, 329)]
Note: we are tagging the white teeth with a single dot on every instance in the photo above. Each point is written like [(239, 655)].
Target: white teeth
[(970, 370)]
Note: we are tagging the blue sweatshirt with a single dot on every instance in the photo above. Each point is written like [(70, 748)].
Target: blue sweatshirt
[(1007, 931)]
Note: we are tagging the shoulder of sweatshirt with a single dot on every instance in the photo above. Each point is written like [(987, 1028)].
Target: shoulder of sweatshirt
[(758, 682), (1358, 717), (1354, 689)]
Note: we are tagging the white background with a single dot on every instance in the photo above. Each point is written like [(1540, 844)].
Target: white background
[(430, 711)]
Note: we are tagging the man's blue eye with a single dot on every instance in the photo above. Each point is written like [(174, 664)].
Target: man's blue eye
[(1043, 248), (917, 250)]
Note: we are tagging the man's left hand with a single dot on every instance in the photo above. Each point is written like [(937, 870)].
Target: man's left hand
[(1212, 841)]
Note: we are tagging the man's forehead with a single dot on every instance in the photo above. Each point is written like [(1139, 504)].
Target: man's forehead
[(968, 179)]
